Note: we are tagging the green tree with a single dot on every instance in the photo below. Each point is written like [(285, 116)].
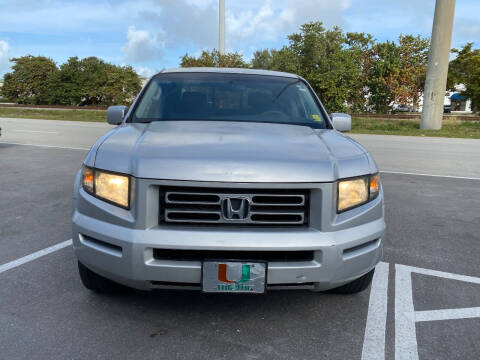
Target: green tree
[(67, 91), (465, 69), (383, 64), (122, 85), (82, 82), (31, 80), (285, 60), (328, 60), (262, 59), (91, 81), (359, 47), (410, 78), (396, 72), (214, 59)]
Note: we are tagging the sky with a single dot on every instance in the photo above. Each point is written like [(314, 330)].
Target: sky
[(151, 35)]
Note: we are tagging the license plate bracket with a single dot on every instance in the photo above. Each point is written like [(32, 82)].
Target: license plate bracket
[(234, 276)]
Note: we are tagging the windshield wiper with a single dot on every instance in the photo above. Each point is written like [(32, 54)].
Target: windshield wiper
[(285, 88)]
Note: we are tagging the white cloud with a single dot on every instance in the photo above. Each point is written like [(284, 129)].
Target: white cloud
[(277, 19), (143, 46), (4, 50), (145, 72), (193, 24), (186, 22)]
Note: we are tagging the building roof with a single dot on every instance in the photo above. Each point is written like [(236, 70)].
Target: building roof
[(231, 71)]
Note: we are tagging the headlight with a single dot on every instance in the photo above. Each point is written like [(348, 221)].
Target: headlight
[(114, 188), (355, 192)]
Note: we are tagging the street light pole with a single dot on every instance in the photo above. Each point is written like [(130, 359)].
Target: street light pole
[(437, 68), (221, 37)]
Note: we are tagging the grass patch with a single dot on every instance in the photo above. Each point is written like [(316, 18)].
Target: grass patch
[(450, 128), (71, 115)]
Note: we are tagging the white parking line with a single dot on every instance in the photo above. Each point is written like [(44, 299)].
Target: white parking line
[(33, 256), (36, 131), (45, 146), (430, 175), (374, 340), (447, 314), (406, 347), (405, 332)]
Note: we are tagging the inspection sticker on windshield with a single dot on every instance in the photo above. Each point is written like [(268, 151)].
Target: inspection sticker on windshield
[(316, 117), (234, 277)]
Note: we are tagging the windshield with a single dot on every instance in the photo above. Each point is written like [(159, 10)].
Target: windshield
[(228, 97)]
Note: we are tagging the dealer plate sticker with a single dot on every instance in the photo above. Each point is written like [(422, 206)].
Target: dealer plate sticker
[(233, 277)]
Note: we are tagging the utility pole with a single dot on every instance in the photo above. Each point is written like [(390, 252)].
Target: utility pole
[(221, 36), (437, 68)]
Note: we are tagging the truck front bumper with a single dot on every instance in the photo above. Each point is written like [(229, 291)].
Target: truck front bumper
[(126, 255)]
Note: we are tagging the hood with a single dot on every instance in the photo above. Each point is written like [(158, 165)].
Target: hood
[(231, 152)]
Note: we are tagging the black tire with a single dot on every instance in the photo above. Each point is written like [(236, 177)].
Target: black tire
[(97, 283), (356, 285)]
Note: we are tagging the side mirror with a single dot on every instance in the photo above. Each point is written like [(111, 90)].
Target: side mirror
[(115, 114), (341, 122)]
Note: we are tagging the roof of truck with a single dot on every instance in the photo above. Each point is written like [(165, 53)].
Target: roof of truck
[(230, 71)]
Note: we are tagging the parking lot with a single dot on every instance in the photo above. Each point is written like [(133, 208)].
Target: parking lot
[(424, 302)]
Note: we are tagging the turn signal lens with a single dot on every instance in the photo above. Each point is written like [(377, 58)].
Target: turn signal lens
[(374, 186), (87, 179)]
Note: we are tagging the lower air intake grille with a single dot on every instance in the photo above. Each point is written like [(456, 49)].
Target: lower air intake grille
[(182, 205), (199, 255)]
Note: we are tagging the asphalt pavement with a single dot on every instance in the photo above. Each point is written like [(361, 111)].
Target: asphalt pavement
[(427, 291)]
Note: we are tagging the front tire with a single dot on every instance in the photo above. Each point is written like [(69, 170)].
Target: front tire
[(357, 285), (97, 283)]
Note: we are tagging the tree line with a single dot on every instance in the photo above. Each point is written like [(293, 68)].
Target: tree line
[(37, 80), (352, 72)]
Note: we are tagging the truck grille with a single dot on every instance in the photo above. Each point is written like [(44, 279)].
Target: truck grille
[(234, 206)]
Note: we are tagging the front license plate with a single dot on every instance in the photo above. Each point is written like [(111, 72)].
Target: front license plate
[(234, 277)]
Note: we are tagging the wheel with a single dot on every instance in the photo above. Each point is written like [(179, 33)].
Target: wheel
[(97, 283), (356, 285)]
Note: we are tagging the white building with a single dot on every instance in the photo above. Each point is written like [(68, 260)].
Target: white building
[(458, 103)]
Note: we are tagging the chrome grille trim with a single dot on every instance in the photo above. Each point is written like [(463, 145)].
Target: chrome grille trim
[(206, 206)]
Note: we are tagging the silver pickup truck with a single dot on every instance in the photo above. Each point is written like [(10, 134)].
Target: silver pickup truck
[(227, 180)]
